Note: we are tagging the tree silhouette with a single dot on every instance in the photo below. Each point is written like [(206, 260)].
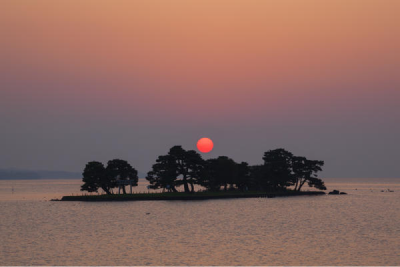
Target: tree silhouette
[(95, 177), (306, 171), (118, 169), (163, 174), (258, 179), (178, 167), (242, 178), (209, 176), (189, 165), (93, 174), (278, 168), (281, 169), (223, 172)]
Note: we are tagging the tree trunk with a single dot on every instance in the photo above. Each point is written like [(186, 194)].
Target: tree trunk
[(105, 189), (297, 184), (301, 184), (185, 185), (174, 189), (123, 189), (191, 187)]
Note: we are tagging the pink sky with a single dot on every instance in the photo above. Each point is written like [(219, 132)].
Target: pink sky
[(74, 71)]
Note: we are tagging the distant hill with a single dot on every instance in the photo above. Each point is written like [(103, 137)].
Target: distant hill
[(18, 174)]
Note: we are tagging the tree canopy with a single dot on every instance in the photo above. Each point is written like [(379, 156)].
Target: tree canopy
[(281, 170), (278, 168), (96, 176), (118, 169), (93, 176), (163, 174), (179, 167), (224, 172), (305, 170)]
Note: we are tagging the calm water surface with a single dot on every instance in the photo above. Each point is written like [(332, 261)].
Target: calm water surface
[(361, 228)]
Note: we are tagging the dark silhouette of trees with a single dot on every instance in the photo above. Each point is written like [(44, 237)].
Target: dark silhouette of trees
[(281, 170), (223, 170), (278, 168), (93, 174), (226, 173), (208, 177), (96, 176), (163, 174), (189, 165), (305, 170), (242, 178), (118, 169), (258, 178), (178, 167)]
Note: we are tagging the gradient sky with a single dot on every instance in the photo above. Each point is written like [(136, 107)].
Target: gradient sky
[(84, 80)]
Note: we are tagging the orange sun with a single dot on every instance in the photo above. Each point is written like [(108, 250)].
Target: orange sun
[(205, 145)]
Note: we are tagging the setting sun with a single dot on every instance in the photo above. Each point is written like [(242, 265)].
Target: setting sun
[(205, 145)]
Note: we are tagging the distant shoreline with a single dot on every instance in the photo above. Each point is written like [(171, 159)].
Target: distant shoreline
[(47, 178), (21, 174), (187, 196), (38, 179)]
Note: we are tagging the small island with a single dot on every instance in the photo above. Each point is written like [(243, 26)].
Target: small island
[(282, 174), (191, 196)]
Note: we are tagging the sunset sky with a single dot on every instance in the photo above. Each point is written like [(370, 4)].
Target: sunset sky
[(84, 80)]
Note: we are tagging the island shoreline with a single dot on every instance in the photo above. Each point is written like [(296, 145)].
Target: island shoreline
[(185, 196)]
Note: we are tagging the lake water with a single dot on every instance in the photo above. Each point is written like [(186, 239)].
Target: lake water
[(361, 228)]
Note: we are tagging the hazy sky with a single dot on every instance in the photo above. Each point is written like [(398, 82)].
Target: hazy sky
[(97, 80)]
